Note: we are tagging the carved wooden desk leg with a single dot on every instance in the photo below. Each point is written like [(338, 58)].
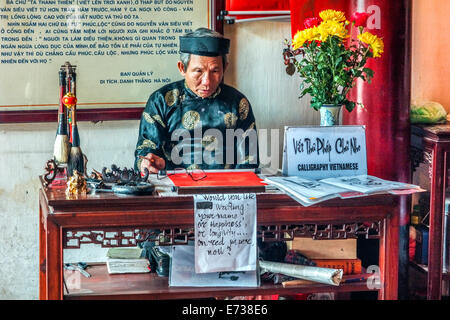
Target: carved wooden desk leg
[(42, 257), (54, 261), (389, 257), (437, 198)]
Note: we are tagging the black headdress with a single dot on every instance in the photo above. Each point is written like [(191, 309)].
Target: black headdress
[(205, 46)]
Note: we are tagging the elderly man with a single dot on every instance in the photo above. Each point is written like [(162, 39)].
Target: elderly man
[(186, 124)]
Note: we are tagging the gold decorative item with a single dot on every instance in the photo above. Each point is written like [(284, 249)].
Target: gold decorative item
[(76, 184)]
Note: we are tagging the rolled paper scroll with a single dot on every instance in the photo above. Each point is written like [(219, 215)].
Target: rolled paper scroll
[(316, 274)]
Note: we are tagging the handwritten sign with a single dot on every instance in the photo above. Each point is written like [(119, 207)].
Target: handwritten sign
[(324, 152), (225, 232)]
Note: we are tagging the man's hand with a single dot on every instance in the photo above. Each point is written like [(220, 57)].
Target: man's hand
[(153, 163)]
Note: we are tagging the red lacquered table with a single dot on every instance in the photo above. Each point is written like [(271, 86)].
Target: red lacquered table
[(111, 220)]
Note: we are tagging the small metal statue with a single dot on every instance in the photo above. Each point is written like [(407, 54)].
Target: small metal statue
[(115, 175), (76, 184), (125, 181)]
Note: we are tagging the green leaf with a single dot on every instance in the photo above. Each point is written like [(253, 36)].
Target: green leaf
[(316, 105), (349, 105), (368, 72)]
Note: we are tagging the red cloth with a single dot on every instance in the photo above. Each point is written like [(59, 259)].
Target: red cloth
[(218, 179), (251, 5), (302, 9)]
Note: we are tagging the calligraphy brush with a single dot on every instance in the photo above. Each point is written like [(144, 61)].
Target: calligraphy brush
[(76, 160), (61, 147), (68, 67), (69, 113)]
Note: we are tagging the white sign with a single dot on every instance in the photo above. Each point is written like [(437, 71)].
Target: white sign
[(123, 49), (182, 273), (225, 232), (324, 152)]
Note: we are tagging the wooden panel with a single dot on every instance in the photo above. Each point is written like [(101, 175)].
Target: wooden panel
[(326, 249), (94, 115), (437, 199), (388, 258), (54, 261)]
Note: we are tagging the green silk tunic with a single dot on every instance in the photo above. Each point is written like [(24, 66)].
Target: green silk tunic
[(196, 127)]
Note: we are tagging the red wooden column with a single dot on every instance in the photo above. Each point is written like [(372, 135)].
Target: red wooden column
[(387, 102), (42, 250)]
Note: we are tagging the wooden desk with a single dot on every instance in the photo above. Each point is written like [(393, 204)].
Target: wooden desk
[(62, 220), (431, 144)]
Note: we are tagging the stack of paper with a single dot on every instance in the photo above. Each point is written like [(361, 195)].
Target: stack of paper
[(368, 184), (308, 192), (182, 273), (127, 265), (126, 260), (305, 191)]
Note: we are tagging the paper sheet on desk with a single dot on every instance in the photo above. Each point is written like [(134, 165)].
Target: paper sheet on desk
[(182, 273), (225, 232)]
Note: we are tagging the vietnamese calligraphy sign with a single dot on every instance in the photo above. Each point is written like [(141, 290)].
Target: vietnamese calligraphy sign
[(324, 152)]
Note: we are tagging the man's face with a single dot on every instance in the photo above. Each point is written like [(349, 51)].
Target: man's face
[(203, 74)]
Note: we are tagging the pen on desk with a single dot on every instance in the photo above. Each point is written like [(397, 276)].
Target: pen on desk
[(361, 278), (293, 283)]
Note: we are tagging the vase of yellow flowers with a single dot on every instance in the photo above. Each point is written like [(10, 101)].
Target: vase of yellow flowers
[(331, 60)]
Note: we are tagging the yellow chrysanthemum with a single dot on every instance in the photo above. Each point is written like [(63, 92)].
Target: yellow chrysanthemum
[(303, 36), (332, 28), (332, 15), (375, 43)]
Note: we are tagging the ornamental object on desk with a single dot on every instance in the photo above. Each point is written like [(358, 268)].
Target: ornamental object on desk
[(120, 181), (69, 100), (76, 185), (76, 156), (61, 147), (332, 60), (67, 155), (117, 175)]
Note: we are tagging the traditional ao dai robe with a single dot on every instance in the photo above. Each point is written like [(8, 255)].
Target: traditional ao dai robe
[(202, 121)]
